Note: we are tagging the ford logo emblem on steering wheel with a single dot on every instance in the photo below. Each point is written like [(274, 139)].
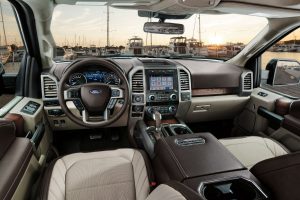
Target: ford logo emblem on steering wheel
[(95, 91)]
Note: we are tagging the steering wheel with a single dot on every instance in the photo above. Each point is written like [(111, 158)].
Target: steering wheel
[(100, 104)]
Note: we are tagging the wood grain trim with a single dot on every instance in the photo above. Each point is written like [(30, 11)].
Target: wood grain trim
[(212, 91), (165, 121)]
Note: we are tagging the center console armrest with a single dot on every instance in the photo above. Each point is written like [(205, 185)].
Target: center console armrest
[(190, 155)]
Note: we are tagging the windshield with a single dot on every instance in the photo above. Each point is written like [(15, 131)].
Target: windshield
[(101, 31)]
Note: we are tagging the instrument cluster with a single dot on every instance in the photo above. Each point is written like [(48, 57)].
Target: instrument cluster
[(109, 78)]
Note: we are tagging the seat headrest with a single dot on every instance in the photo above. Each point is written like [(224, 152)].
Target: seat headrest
[(7, 135)]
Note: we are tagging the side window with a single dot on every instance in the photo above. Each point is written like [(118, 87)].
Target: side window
[(281, 66), (11, 52)]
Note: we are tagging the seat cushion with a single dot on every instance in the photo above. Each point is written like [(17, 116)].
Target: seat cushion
[(251, 150), (118, 174)]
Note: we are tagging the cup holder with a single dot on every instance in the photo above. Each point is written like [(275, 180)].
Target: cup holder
[(176, 129), (235, 189)]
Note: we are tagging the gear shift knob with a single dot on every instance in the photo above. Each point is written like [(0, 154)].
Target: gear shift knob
[(157, 117)]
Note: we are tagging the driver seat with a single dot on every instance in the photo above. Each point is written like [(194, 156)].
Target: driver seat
[(107, 175)]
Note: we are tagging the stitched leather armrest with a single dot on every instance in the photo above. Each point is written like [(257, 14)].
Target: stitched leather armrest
[(280, 175), (7, 135)]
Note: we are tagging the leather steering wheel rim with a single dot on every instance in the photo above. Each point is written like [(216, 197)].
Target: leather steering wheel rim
[(97, 62)]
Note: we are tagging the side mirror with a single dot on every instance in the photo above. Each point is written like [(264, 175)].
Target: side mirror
[(283, 72), (163, 28)]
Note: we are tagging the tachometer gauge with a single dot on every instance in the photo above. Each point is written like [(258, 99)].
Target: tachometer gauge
[(77, 79), (112, 79)]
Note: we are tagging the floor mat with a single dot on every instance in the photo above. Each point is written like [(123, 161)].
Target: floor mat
[(67, 142)]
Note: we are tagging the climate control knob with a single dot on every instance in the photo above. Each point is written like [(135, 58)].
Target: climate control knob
[(150, 110), (173, 96), (151, 97), (172, 109)]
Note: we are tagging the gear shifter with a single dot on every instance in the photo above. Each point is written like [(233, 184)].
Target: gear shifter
[(157, 117)]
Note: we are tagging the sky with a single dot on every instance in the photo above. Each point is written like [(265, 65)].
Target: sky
[(88, 25)]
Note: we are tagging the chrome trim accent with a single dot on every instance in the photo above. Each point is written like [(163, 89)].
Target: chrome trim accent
[(200, 189), (185, 142)]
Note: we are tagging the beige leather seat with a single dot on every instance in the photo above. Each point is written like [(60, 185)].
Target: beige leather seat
[(118, 174), (253, 149)]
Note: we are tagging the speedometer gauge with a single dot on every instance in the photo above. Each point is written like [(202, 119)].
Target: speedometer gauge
[(77, 79), (112, 79)]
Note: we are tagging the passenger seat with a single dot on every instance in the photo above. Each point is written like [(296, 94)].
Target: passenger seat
[(253, 149)]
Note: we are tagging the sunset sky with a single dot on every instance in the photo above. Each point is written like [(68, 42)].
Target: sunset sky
[(88, 25), (91, 24)]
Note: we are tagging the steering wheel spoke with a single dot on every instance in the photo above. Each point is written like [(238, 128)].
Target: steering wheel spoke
[(72, 93), (86, 118)]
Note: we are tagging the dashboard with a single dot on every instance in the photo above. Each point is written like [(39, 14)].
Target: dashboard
[(99, 76), (190, 90)]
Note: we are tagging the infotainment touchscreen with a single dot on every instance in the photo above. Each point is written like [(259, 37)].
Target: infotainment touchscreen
[(161, 82)]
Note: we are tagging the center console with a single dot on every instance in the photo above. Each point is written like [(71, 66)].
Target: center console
[(198, 160)]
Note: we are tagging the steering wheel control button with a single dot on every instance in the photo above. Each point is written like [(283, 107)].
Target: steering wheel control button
[(111, 104), (115, 93), (78, 104)]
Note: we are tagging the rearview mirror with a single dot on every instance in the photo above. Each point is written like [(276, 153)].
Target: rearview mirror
[(163, 28)]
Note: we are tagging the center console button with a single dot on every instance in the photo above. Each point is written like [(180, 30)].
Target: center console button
[(137, 99), (150, 110), (172, 109), (173, 96), (151, 97)]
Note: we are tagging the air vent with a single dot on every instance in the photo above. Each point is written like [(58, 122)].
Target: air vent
[(246, 84), (184, 80), (137, 83), (247, 81), (49, 87)]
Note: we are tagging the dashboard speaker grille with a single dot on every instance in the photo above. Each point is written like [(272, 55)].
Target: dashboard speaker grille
[(50, 87), (137, 83), (184, 80)]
